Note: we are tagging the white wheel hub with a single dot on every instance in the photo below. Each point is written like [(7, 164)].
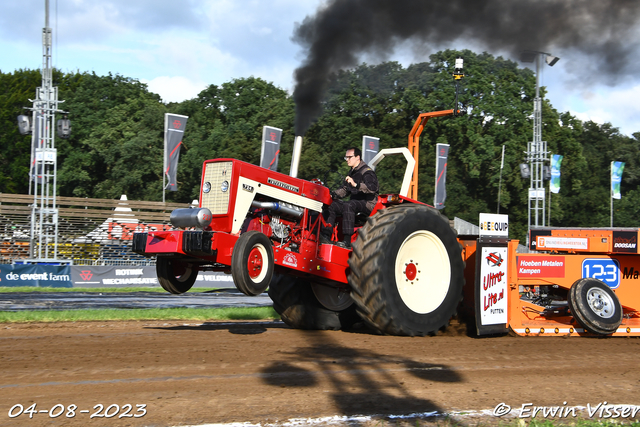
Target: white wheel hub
[(601, 303), (423, 272)]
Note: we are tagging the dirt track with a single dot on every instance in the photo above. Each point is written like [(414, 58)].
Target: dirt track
[(257, 372)]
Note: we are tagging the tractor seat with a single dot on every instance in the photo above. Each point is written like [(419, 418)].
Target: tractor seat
[(361, 218)]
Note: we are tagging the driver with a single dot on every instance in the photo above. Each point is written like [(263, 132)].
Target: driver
[(361, 184)]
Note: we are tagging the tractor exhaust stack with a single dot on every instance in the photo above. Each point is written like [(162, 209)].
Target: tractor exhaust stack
[(295, 156)]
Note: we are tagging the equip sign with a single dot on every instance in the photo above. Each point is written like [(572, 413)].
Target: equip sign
[(494, 225)]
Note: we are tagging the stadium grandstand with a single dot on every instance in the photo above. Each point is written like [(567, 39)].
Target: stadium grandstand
[(90, 231)]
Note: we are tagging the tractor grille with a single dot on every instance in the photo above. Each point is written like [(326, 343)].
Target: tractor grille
[(216, 200)]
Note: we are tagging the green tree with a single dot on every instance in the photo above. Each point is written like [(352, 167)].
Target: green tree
[(15, 149), (385, 100), (116, 145), (227, 122), (116, 142)]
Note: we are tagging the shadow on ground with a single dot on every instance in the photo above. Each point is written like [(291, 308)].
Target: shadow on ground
[(362, 381)]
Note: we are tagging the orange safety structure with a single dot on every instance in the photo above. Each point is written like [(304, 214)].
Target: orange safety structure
[(414, 144)]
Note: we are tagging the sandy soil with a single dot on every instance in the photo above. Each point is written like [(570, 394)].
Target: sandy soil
[(269, 373)]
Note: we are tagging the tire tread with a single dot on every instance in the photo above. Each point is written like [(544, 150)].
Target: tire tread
[(366, 261)]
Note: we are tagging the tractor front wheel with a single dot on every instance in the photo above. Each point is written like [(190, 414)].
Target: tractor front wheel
[(176, 276), (252, 263), (407, 271)]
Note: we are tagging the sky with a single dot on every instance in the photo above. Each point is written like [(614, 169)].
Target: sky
[(179, 47)]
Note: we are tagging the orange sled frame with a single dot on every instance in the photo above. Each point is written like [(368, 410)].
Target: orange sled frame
[(538, 286)]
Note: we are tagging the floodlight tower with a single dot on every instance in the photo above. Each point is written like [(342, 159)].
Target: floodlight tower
[(44, 212), (537, 152)]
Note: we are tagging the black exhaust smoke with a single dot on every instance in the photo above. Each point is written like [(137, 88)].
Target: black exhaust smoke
[(342, 30)]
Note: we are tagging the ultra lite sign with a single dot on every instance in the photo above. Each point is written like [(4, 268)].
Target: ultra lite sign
[(494, 225)]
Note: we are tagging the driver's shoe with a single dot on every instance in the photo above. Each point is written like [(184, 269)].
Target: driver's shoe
[(326, 232), (346, 243)]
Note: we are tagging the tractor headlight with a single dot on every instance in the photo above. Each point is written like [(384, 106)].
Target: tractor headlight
[(206, 187), (225, 186)]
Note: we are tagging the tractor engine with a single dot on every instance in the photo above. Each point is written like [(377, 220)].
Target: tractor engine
[(282, 219), (237, 197)]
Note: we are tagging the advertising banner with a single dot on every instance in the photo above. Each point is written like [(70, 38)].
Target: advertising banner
[(99, 276), (271, 138), (125, 276), (556, 162), (533, 237), (625, 241), (370, 147), (54, 276), (496, 225), (493, 285), (174, 125), (105, 276), (616, 179), (552, 242), (530, 266), (442, 152)]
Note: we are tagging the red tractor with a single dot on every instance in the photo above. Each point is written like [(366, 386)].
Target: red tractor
[(404, 275)]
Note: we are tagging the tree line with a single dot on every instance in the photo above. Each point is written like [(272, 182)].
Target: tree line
[(116, 144)]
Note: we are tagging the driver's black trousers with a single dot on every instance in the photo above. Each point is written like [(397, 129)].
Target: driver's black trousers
[(348, 210)]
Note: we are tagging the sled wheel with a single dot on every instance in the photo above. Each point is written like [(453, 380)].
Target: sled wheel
[(294, 300), (595, 306), (176, 276), (407, 271), (252, 263)]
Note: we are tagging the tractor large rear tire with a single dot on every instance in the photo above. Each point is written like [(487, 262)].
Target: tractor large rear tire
[(407, 271), (295, 302), (176, 276)]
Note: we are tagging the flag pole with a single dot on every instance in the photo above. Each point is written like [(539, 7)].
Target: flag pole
[(549, 218), (500, 184), (611, 192), (164, 154)]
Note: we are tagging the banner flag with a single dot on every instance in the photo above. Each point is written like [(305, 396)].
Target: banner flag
[(174, 125), (442, 152), (556, 162), (271, 138), (370, 147), (616, 179)]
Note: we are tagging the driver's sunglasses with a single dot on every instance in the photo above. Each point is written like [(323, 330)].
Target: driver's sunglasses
[(348, 157)]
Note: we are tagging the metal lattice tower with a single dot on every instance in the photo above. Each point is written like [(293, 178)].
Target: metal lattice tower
[(44, 212), (537, 152), (536, 155)]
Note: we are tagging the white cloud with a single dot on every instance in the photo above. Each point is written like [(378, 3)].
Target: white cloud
[(618, 106), (264, 31), (174, 89), (179, 50)]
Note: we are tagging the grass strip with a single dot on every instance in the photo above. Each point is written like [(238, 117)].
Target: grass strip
[(199, 314), (615, 422), (11, 289)]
